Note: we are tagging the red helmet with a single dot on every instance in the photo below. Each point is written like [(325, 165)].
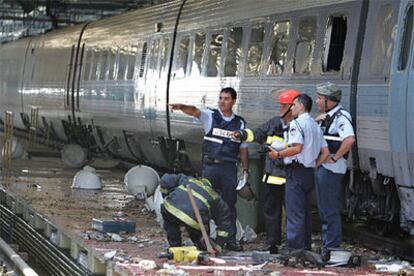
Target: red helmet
[(287, 96)]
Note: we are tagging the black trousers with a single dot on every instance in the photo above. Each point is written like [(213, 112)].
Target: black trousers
[(273, 208), (172, 226)]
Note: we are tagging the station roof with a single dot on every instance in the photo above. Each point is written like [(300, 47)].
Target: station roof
[(20, 18)]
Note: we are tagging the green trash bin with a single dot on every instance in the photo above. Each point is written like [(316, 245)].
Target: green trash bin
[(251, 212)]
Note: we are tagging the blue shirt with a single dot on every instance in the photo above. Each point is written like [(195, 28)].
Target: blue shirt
[(305, 131), (342, 126)]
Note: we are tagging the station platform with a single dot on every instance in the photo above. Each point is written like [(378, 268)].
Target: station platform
[(39, 192)]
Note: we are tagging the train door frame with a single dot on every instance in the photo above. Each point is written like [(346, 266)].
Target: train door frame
[(410, 103), (398, 104)]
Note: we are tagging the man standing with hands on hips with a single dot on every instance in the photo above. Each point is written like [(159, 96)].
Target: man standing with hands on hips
[(336, 124), (221, 152)]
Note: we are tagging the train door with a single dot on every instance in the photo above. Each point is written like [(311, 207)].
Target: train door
[(410, 97), (399, 92)]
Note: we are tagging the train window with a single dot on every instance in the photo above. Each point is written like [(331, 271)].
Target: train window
[(112, 63), (214, 55), (181, 65), (104, 65), (131, 61), (87, 65), (255, 49), (153, 58), (198, 52), (278, 48), (234, 50), (164, 55), (122, 62), (305, 45), (143, 59), (383, 45), (334, 43), (406, 40), (96, 69)]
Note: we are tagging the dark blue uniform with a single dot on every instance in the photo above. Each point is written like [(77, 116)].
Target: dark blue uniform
[(220, 156), (177, 210), (274, 178)]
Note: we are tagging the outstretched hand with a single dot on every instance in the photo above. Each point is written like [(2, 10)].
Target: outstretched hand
[(175, 107)]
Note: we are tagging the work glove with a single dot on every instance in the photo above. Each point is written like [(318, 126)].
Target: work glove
[(240, 135)]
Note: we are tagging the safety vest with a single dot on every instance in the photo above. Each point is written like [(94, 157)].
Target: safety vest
[(207, 200), (334, 140), (217, 142)]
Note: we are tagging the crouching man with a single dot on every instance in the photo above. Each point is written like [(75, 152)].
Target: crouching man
[(177, 211)]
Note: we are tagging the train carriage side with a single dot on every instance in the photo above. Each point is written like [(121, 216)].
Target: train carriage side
[(122, 90), (12, 58), (257, 47), (401, 114)]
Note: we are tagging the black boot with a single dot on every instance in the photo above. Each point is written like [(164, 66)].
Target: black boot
[(270, 247), (233, 246)]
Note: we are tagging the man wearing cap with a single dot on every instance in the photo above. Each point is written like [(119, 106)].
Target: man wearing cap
[(336, 124), (220, 152), (177, 210), (271, 133), (306, 150)]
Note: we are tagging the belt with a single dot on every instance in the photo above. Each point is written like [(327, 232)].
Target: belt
[(295, 165), (210, 161)]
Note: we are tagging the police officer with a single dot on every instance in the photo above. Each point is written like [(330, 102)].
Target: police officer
[(307, 149), (220, 151), (274, 178), (177, 210), (338, 131)]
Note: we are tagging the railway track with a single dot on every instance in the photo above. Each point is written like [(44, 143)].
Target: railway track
[(50, 257), (398, 245)]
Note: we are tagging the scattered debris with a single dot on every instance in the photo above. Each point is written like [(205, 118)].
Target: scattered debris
[(169, 269), (116, 237), (401, 268), (86, 179), (147, 265), (114, 225), (110, 255), (249, 235)]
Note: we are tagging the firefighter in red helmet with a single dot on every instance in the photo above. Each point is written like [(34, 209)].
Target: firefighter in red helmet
[(271, 134)]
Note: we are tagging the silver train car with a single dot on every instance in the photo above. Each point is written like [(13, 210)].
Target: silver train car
[(106, 85)]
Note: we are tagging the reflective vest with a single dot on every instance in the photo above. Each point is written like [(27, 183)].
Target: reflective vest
[(217, 143), (209, 203), (334, 140)]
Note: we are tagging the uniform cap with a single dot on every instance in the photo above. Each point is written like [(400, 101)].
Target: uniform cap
[(287, 96), (329, 90)]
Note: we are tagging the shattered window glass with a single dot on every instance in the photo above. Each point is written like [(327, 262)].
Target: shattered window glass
[(87, 65), (334, 43), (406, 40), (198, 52), (234, 50), (181, 66), (153, 58), (278, 48), (164, 55), (383, 45), (255, 49), (131, 61), (122, 64), (305, 45), (104, 65), (214, 55), (112, 64)]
